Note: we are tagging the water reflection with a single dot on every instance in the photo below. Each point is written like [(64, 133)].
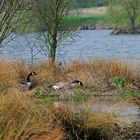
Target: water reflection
[(128, 111)]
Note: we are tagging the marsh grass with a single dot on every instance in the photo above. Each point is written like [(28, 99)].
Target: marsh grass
[(95, 74), (24, 117), (85, 124), (7, 75), (129, 93)]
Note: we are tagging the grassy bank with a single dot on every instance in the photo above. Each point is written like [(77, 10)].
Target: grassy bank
[(84, 20), (96, 74), (85, 16), (75, 21), (26, 116)]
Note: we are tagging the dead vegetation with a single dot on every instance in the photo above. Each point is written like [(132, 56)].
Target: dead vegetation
[(99, 73), (22, 118)]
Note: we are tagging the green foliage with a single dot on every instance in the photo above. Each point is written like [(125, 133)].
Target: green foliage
[(39, 93), (85, 90), (128, 93), (81, 20), (117, 16), (26, 26), (120, 82), (122, 12)]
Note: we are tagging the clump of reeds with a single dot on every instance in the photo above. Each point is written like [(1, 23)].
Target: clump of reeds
[(7, 75), (11, 73), (99, 73), (23, 118), (85, 124)]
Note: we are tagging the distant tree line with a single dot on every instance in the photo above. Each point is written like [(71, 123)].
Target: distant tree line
[(125, 14)]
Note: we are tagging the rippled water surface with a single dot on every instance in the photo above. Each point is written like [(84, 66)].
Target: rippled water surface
[(90, 44)]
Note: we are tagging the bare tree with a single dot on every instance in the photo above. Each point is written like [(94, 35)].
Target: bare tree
[(51, 15), (8, 17)]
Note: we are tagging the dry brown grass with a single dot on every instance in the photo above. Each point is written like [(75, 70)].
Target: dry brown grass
[(98, 73), (23, 118), (7, 75), (85, 124), (11, 73), (53, 135), (49, 72)]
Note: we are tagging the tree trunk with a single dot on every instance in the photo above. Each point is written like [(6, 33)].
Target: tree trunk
[(53, 45), (133, 19), (133, 27), (52, 56)]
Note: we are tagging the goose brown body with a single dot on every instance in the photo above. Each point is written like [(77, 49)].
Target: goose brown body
[(66, 84)]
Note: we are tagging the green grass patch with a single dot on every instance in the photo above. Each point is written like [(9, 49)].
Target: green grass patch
[(82, 20), (30, 25), (129, 93), (48, 99), (90, 91), (79, 94)]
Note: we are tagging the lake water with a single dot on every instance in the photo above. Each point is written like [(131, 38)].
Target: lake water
[(89, 44)]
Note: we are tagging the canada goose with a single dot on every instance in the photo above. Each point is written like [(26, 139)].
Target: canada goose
[(27, 85), (66, 84)]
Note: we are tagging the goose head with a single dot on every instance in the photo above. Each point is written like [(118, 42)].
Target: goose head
[(28, 84), (31, 74), (77, 83)]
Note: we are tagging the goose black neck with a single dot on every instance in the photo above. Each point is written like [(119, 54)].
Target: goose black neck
[(81, 84), (28, 77)]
